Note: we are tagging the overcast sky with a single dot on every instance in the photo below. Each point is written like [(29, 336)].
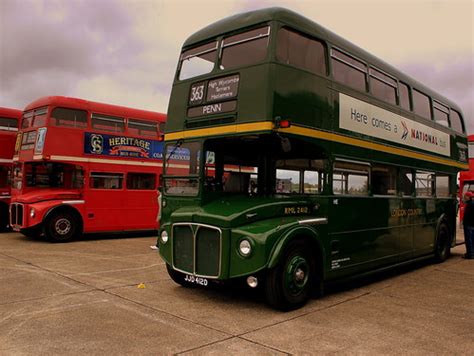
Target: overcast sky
[(125, 51)]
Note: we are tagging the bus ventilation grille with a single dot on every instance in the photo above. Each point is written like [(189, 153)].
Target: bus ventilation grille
[(209, 122), (197, 249), (16, 214)]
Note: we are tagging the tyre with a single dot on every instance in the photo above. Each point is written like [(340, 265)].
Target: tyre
[(61, 227), (32, 232), (178, 277), (443, 243), (4, 219), (288, 285)]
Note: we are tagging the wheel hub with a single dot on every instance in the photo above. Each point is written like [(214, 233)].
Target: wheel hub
[(297, 273), (62, 226)]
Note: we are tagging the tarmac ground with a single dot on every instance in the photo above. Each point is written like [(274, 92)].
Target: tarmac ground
[(84, 297)]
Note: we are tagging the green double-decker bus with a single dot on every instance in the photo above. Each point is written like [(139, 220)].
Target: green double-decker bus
[(294, 158)]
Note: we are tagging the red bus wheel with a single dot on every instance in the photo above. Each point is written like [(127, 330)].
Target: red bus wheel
[(61, 227), (3, 217)]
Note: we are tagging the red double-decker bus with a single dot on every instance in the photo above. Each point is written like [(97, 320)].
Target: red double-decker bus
[(9, 119), (466, 178), (82, 166)]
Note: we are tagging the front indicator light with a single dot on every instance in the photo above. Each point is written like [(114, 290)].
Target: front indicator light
[(32, 213), (164, 236), (245, 247)]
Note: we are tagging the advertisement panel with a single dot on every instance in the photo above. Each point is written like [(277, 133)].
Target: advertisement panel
[(122, 146), (361, 117)]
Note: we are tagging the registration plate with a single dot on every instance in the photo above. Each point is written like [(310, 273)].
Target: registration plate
[(196, 280)]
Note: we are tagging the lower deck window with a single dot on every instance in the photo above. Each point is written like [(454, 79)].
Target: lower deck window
[(101, 180), (299, 176), (442, 186), (52, 175), (4, 176), (350, 178), (424, 183), (383, 180), (141, 181)]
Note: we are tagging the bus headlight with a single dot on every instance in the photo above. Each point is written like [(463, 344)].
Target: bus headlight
[(32, 213), (164, 236), (245, 248)]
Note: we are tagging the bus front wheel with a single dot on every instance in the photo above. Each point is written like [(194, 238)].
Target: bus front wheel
[(3, 217), (443, 243), (32, 232), (61, 227), (288, 285)]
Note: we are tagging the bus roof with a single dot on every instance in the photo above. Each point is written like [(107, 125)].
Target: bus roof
[(10, 113), (298, 22), (110, 109)]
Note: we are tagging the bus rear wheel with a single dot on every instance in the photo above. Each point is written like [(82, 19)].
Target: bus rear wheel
[(61, 227), (288, 285), (443, 243)]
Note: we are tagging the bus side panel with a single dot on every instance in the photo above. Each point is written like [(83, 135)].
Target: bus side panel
[(427, 214), (362, 233), (140, 209), (104, 207)]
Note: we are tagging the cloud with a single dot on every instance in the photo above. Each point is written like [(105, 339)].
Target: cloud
[(61, 42), (125, 51), (452, 78)]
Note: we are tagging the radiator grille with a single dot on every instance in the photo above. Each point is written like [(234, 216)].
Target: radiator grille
[(16, 215), (197, 249)]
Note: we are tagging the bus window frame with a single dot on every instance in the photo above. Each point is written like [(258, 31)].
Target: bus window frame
[(365, 71), (295, 30), (182, 58), (334, 170)]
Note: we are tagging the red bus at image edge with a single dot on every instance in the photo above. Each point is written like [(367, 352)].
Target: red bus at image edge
[(466, 178), (82, 166), (9, 119)]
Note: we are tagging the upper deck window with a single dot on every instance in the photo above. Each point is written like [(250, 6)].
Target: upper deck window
[(441, 114), (34, 118), (108, 123), (471, 149), (197, 61), (383, 86), (456, 122), (245, 48), (40, 117), (69, 117), (404, 92), (141, 127), (421, 104), (8, 124), (301, 51), (348, 70)]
